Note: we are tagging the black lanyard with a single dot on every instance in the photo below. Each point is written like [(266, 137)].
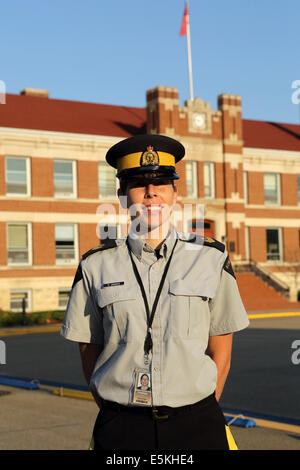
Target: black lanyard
[(150, 316)]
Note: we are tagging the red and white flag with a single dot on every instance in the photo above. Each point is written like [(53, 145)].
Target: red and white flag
[(185, 31), (184, 21)]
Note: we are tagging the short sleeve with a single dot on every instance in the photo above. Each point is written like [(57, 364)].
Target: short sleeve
[(83, 318), (228, 313)]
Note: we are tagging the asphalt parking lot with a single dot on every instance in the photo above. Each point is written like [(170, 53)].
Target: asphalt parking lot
[(40, 420)]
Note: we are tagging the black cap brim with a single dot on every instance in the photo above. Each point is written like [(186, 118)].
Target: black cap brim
[(149, 172)]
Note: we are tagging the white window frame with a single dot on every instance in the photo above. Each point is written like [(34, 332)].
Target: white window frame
[(29, 297), (109, 197), (280, 260), (28, 176), (212, 178), (194, 167), (278, 184), (247, 243), (72, 195), (29, 232), (245, 181), (70, 262), (62, 289)]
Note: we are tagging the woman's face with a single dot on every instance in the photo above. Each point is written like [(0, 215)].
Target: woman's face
[(151, 201), (144, 381)]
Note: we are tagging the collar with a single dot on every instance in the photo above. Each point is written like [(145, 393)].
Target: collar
[(139, 247)]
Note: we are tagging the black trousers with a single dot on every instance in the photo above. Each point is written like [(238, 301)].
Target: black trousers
[(200, 427)]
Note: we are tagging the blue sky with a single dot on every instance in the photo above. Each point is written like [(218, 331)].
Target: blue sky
[(112, 51)]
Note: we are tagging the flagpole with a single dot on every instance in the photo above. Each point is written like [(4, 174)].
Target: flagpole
[(188, 38)]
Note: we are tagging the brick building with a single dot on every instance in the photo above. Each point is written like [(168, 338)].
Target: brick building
[(53, 176)]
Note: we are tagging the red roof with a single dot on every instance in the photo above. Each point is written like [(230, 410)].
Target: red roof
[(32, 112), (271, 135)]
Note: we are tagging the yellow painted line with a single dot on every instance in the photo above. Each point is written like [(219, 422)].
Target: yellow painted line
[(274, 315), (264, 423), (65, 392), (25, 331)]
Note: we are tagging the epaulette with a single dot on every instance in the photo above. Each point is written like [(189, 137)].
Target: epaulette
[(214, 243), (227, 266), (78, 276), (104, 246), (202, 240)]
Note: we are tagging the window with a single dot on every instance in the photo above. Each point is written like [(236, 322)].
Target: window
[(191, 179), (247, 243), (17, 297), (107, 181), (231, 247), (63, 298), (196, 226), (19, 244), (17, 175), (64, 178), (66, 243), (209, 180), (274, 244), (272, 188), (245, 179)]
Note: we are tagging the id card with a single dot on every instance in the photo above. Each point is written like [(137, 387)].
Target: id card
[(142, 388)]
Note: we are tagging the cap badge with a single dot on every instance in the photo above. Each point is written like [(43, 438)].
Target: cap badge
[(149, 157)]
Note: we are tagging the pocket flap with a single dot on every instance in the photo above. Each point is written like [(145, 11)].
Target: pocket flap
[(184, 287), (109, 295)]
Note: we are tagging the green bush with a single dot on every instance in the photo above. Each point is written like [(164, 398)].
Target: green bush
[(38, 318), (10, 319), (58, 315), (34, 318)]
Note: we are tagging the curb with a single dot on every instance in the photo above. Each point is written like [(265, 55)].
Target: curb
[(240, 421), (70, 393), (274, 315), (233, 417), (29, 385), (266, 421), (29, 330)]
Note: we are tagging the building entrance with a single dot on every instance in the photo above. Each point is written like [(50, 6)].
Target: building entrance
[(207, 225)]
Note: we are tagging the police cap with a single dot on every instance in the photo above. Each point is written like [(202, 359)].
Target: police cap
[(148, 156)]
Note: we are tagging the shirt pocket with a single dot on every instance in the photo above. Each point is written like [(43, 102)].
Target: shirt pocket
[(119, 308), (190, 313)]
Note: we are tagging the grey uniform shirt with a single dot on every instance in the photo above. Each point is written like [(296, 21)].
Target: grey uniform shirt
[(200, 298)]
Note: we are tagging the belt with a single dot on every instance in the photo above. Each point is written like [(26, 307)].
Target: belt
[(158, 412)]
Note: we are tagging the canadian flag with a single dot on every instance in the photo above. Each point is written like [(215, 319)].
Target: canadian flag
[(184, 21)]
